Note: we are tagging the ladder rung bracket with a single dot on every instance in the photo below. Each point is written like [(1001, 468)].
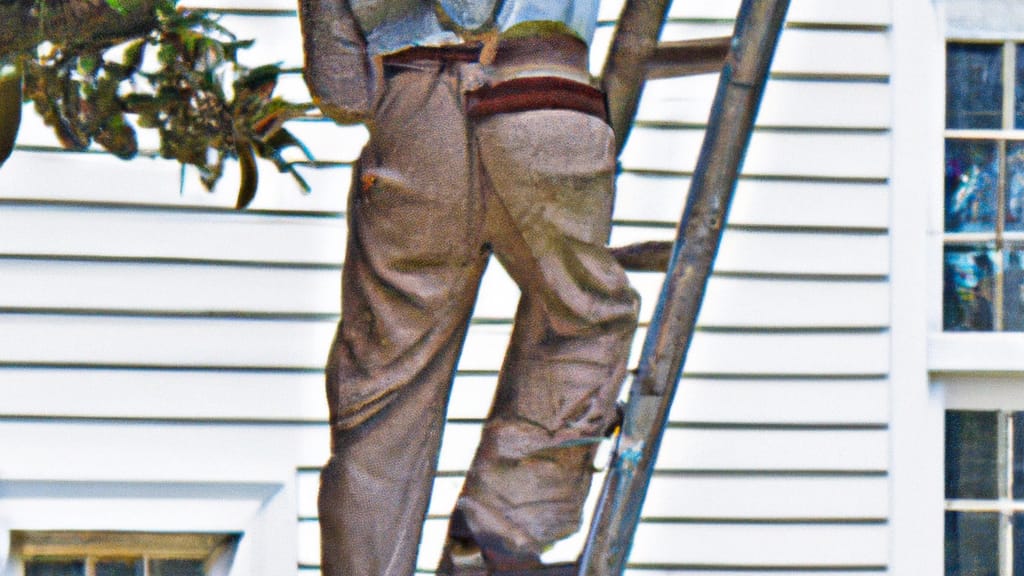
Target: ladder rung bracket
[(688, 57)]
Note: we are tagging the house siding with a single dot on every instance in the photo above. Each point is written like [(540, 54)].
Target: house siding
[(138, 307)]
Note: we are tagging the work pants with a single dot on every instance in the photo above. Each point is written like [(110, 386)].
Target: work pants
[(433, 195)]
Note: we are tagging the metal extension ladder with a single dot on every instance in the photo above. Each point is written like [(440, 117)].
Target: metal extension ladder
[(743, 60)]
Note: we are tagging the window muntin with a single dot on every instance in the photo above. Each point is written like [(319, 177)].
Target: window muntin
[(983, 288)]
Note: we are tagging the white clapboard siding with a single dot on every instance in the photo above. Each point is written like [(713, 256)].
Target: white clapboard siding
[(218, 236), (801, 51), (775, 153), (797, 546), (31, 175), (822, 401), (651, 197), (98, 340), (742, 301), (171, 320), (818, 12), (154, 394), (727, 449), (786, 103), (706, 497), (784, 252)]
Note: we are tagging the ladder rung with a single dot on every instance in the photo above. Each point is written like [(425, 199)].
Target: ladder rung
[(644, 256), (688, 57)]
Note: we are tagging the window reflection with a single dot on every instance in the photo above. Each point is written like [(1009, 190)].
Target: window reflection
[(972, 454), (55, 568), (969, 278), (1018, 117), (1013, 292), (974, 86), (972, 177), (176, 568), (121, 568), (972, 544)]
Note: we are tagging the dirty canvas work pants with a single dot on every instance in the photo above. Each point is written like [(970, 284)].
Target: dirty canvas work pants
[(434, 195)]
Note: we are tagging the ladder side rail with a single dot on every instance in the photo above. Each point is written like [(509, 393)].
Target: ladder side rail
[(633, 44), (741, 85)]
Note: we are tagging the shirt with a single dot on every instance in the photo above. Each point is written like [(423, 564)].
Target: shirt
[(391, 25)]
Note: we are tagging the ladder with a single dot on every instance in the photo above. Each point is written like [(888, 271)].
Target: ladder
[(636, 55)]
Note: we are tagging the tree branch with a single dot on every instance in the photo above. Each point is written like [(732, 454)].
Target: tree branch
[(26, 23)]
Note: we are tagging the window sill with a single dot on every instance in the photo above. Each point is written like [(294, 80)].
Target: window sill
[(976, 352)]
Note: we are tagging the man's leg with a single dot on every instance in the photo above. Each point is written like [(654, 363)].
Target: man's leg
[(549, 213), (410, 278)]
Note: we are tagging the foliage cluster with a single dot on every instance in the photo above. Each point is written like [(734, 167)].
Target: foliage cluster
[(181, 77)]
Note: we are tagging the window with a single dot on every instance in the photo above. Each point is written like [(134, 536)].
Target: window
[(983, 272), (119, 553), (984, 493)]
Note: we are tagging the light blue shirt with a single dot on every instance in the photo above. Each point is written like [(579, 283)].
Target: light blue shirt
[(391, 25)]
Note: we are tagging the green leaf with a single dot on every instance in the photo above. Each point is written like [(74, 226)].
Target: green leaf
[(250, 176), (119, 6), (10, 109)]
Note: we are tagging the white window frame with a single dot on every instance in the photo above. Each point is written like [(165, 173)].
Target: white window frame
[(254, 511)]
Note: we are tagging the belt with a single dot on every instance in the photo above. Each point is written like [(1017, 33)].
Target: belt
[(533, 91), (536, 93), (447, 53)]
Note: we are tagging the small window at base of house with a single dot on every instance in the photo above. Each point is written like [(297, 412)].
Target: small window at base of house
[(120, 553)]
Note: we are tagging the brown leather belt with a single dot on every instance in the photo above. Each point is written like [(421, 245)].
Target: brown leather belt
[(533, 92), (536, 93), (448, 53)]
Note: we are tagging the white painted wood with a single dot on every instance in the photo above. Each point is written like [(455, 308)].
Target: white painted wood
[(232, 236), (734, 498), (747, 572), (800, 51), (660, 198), (786, 154), (707, 545), (800, 253), (736, 302), (160, 394), (30, 175), (761, 545), (739, 498), (297, 344), (964, 352), (747, 302), (110, 451), (167, 342), (917, 441), (786, 103), (178, 288), (867, 13), (733, 353), (872, 12), (769, 401), (728, 449)]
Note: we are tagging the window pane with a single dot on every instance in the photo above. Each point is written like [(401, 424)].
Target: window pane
[(176, 568), (971, 455), (974, 85), (1015, 186), (121, 568), (1013, 291), (1018, 121), (972, 543), (972, 178), (967, 288), (55, 568)]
